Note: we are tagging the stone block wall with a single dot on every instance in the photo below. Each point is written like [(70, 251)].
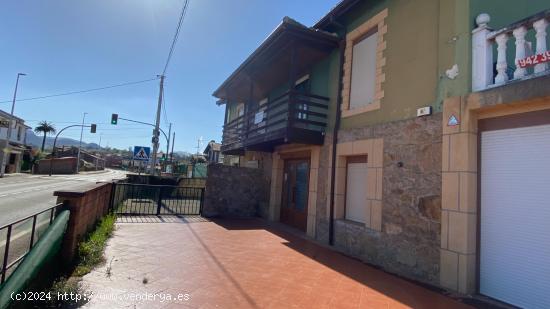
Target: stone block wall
[(86, 205), (236, 192), (152, 180), (58, 166), (408, 240)]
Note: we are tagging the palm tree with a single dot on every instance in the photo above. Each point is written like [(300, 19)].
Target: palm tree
[(45, 128)]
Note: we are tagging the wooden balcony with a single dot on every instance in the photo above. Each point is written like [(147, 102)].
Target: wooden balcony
[(293, 117)]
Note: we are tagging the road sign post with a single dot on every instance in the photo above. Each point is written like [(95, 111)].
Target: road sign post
[(142, 154)]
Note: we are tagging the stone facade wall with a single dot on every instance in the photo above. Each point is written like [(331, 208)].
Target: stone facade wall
[(323, 191), (236, 192), (409, 240)]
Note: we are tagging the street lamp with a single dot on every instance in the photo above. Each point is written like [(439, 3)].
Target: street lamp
[(80, 144), (15, 92), (8, 135)]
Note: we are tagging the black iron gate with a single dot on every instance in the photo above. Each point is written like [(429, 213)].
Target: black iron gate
[(140, 199)]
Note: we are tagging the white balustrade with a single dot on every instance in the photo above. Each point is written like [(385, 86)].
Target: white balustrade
[(482, 55), (540, 28), (519, 35), (502, 64), (483, 40)]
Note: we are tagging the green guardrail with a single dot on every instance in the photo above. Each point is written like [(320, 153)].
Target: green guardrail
[(45, 249)]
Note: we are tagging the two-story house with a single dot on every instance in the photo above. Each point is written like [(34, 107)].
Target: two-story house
[(410, 135), (14, 149), (212, 152)]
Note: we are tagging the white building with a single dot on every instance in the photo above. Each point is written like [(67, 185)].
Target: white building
[(16, 146)]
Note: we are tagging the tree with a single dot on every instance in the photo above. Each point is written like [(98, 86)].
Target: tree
[(45, 128)]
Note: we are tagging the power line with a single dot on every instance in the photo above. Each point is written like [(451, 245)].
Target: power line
[(171, 52), (82, 91), (176, 35), (76, 122)]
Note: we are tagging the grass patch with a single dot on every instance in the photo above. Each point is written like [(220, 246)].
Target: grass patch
[(89, 255), (90, 251)]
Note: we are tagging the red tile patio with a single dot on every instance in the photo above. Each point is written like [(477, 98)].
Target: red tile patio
[(239, 264)]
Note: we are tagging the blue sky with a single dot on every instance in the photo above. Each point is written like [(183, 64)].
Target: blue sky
[(67, 45)]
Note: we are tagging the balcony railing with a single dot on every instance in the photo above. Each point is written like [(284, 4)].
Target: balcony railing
[(527, 62), (293, 117), (233, 135)]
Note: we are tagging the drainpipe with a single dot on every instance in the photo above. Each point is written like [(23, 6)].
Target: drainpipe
[(335, 131)]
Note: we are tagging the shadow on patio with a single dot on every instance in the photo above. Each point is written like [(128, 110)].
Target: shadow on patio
[(242, 263)]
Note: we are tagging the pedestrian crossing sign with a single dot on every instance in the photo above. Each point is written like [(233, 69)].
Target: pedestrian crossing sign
[(141, 153)]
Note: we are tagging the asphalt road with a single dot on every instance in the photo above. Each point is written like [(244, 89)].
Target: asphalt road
[(24, 195)]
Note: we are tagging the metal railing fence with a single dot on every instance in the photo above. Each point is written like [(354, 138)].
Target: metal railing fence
[(17, 238), (143, 199)]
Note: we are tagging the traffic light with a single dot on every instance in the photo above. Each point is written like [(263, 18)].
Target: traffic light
[(93, 128), (114, 118)]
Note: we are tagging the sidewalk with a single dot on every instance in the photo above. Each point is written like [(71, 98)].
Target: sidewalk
[(239, 264)]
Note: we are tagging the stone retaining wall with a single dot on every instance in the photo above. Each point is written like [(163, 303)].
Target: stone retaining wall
[(236, 192)]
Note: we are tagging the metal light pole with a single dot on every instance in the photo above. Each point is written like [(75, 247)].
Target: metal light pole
[(55, 143), (98, 151), (8, 135), (80, 144)]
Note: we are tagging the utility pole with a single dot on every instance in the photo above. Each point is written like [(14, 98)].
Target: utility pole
[(157, 125), (199, 145), (172, 153), (167, 147), (79, 144), (8, 134)]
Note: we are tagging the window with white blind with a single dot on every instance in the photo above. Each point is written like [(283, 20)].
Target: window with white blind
[(363, 71), (356, 191)]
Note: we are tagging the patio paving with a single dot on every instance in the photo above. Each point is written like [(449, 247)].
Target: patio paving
[(246, 263)]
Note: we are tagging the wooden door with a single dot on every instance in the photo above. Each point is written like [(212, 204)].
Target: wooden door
[(295, 193)]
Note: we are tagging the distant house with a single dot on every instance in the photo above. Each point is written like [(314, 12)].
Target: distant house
[(16, 145), (212, 152)]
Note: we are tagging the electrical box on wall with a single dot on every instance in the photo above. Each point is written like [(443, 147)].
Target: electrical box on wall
[(424, 111)]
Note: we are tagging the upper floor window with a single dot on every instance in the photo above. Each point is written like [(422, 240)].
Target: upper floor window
[(363, 71), (234, 111), (19, 133), (303, 85), (363, 66), (240, 110)]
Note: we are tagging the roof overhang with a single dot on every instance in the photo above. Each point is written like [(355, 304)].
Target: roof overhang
[(340, 9), (269, 65), (16, 148), (6, 115)]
